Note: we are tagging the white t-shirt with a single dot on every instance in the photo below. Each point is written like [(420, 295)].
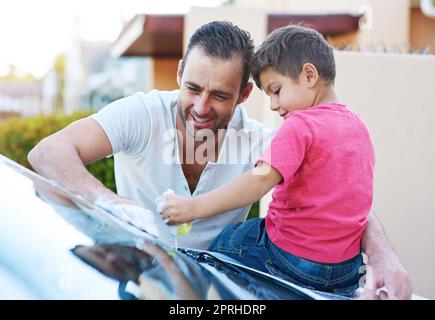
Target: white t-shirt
[(141, 130)]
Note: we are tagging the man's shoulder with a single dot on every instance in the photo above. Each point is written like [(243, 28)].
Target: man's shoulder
[(249, 124), (156, 98)]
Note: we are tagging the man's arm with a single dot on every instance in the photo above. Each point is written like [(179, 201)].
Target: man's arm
[(240, 192), (384, 266), (63, 155)]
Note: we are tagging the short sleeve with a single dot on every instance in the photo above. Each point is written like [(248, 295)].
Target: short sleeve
[(289, 146), (127, 124)]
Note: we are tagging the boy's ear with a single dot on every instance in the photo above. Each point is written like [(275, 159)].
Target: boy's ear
[(179, 72), (310, 74)]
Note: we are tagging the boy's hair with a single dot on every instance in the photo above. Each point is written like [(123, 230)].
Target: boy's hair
[(287, 49), (224, 40)]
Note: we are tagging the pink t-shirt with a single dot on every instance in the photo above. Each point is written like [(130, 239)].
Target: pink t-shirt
[(319, 211)]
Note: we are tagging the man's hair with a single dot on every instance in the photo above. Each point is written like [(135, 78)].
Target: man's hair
[(287, 49), (224, 40)]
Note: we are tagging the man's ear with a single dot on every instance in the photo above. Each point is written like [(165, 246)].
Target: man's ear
[(179, 72), (245, 93), (310, 75)]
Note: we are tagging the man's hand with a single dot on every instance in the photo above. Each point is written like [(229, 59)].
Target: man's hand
[(178, 210), (130, 212), (384, 267), (385, 271)]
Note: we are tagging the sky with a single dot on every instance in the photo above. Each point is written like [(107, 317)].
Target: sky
[(34, 32)]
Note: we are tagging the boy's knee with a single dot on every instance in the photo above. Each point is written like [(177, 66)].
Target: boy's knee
[(222, 238)]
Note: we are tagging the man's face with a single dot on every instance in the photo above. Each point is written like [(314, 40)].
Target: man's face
[(209, 91)]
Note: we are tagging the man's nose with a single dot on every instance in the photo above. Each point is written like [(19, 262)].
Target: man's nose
[(201, 106)]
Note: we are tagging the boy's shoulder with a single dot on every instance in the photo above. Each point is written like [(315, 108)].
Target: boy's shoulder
[(323, 110), (327, 116)]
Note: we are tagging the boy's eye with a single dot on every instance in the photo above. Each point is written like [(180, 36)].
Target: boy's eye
[(277, 91)]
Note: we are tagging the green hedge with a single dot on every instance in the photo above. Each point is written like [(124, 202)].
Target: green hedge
[(255, 211), (19, 135)]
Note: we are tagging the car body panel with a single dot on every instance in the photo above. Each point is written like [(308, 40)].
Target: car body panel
[(55, 244)]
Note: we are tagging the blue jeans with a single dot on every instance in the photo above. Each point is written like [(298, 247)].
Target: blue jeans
[(249, 243)]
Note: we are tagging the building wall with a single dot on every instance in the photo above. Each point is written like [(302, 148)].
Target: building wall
[(165, 73), (5, 115), (394, 95), (347, 40), (388, 19), (422, 32), (23, 98)]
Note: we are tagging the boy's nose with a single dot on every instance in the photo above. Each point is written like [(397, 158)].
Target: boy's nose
[(274, 106)]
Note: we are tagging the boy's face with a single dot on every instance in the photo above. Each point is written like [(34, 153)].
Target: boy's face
[(286, 95)]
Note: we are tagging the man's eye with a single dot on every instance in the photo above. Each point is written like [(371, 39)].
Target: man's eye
[(219, 97), (193, 89)]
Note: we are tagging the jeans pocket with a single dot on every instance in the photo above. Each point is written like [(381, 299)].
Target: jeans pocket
[(306, 273), (286, 276), (225, 241), (261, 233), (237, 238), (346, 277)]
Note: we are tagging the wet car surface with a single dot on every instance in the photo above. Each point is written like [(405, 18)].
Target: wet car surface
[(55, 244)]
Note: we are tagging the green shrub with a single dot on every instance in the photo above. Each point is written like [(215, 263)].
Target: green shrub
[(19, 135), (255, 211)]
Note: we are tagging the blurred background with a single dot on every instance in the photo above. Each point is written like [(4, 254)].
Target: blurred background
[(62, 60)]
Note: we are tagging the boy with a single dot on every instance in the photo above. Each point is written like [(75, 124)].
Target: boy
[(320, 164)]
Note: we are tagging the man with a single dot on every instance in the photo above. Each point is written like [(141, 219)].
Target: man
[(182, 140)]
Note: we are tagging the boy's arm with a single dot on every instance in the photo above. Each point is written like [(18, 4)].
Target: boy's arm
[(240, 192)]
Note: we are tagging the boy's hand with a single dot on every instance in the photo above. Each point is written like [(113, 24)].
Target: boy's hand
[(178, 209)]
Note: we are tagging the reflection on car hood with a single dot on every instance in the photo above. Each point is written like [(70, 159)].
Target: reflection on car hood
[(64, 247)]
